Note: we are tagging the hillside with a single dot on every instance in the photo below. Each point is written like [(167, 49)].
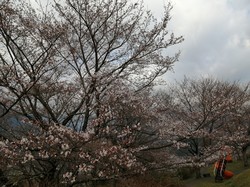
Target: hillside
[(241, 178)]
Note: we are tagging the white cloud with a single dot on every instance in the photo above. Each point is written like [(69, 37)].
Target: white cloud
[(247, 43), (217, 37)]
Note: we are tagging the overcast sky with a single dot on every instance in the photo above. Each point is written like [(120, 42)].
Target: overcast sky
[(217, 38)]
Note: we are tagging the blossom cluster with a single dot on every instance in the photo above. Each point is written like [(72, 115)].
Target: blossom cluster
[(75, 156)]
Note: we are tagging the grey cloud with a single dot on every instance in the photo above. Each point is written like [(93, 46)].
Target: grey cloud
[(219, 45)]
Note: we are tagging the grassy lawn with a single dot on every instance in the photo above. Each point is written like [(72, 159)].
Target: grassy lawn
[(240, 179)]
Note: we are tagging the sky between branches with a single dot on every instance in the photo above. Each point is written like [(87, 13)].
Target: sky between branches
[(217, 37)]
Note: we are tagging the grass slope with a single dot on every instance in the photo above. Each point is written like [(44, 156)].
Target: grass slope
[(241, 178)]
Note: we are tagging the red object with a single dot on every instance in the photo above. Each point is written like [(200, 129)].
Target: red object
[(228, 174), (220, 168)]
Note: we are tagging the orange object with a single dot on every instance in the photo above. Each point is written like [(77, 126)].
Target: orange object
[(229, 158), (220, 171), (228, 174)]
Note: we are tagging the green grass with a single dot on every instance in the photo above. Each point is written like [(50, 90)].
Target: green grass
[(240, 179)]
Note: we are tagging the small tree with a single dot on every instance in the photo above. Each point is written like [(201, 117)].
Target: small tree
[(199, 115)]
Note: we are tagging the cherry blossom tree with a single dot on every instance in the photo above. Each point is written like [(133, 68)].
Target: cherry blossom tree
[(76, 56), (239, 129), (202, 116), (77, 75), (51, 153)]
